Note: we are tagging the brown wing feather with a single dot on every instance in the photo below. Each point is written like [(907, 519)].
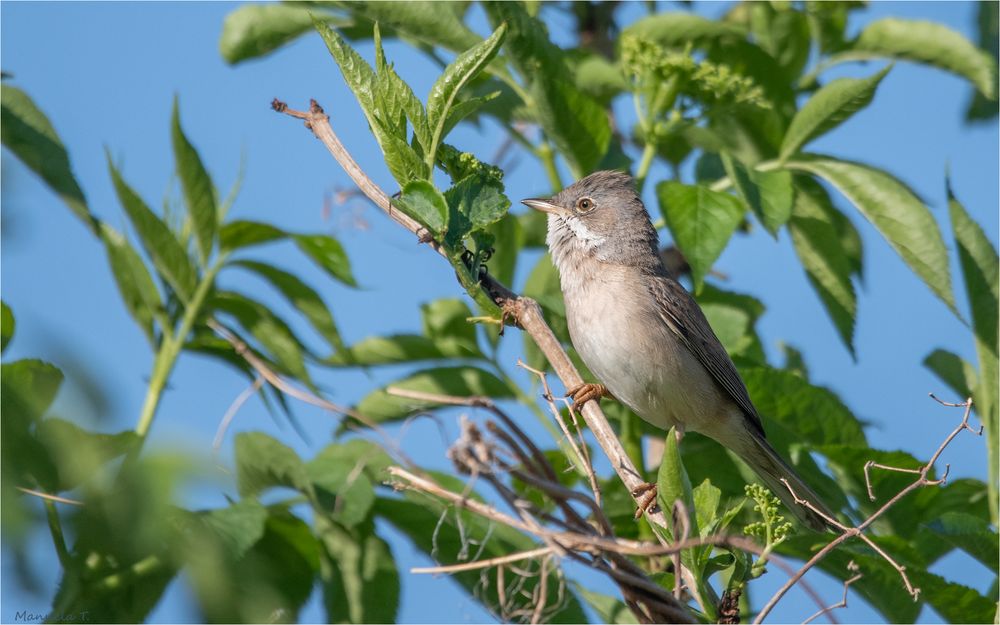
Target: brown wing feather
[(684, 317)]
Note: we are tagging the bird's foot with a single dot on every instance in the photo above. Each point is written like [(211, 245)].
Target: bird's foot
[(646, 494), (582, 393)]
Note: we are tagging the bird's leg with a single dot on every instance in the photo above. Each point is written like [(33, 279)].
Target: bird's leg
[(582, 393), (647, 492)]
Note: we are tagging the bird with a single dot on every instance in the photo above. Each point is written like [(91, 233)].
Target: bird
[(644, 336)]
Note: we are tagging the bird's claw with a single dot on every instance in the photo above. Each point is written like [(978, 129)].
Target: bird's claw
[(582, 393), (646, 494)]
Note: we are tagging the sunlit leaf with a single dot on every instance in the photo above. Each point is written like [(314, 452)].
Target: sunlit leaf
[(970, 534), (135, 284), (422, 201), (457, 381), (254, 30), (262, 462), (959, 375), (6, 325), (769, 194), (360, 580), (328, 254), (238, 234), (199, 193)]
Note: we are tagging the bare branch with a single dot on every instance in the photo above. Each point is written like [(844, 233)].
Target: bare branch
[(483, 564), (851, 566), (48, 497)]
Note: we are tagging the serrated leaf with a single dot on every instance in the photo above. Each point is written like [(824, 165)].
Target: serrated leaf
[(959, 375), (457, 75), (957, 603), (263, 462), (237, 527), (970, 534), (254, 30), (239, 234), (380, 406), (29, 134), (819, 248), (169, 257), (432, 23), (832, 105), (422, 201), (6, 325), (461, 110), (769, 194), (706, 505), (701, 222), (930, 43), (902, 218), (474, 204), (302, 296), (672, 483), (135, 284), (328, 254), (199, 193)]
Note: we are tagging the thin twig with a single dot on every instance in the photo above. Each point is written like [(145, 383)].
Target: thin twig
[(48, 497), (230, 414), (852, 567), (482, 564)]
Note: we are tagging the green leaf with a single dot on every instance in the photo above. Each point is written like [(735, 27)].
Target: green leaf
[(970, 534), (475, 203), (423, 202), (360, 579), (706, 505), (270, 330), (457, 75), (446, 322), (955, 602), (6, 325), (328, 254), (701, 222), (769, 194), (677, 29), (80, 453), (608, 609), (262, 462), (672, 484), (929, 43), (465, 108), (833, 104), (819, 248), (254, 30), (959, 375), (342, 487), (733, 317), (29, 134), (814, 414), (135, 284), (239, 234), (237, 527), (896, 212), (29, 388), (199, 193), (169, 257), (303, 297), (431, 23), (379, 406), (988, 22), (397, 348)]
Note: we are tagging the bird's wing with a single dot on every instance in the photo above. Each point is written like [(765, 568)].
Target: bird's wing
[(685, 319)]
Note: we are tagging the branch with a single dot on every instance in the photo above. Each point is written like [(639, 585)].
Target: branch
[(851, 566), (858, 531)]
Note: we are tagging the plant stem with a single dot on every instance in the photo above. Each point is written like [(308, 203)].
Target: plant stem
[(648, 152), (55, 527), (170, 349)]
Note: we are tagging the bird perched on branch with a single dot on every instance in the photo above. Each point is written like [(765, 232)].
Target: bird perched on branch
[(643, 335)]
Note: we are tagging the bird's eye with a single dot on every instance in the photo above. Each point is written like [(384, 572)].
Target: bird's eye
[(585, 205)]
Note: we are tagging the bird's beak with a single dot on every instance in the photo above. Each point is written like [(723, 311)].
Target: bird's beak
[(545, 206)]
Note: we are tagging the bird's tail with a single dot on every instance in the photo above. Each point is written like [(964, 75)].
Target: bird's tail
[(771, 468)]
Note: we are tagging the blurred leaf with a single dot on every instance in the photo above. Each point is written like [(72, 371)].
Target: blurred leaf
[(599, 78), (254, 30), (896, 212), (29, 134), (431, 23), (328, 254), (360, 580), (457, 381), (930, 43), (397, 348), (732, 317), (457, 75), (422, 201), (959, 375), (447, 321), (6, 325), (784, 34), (237, 527), (955, 602), (988, 22), (169, 257), (769, 194), (820, 250), (608, 609), (303, 297), (970, 534), (833, 104), (466, 108), (80, 453), (342, 486), (262, 462), (135, 284), (795, 361), (701, 222), (814, 414), (29, 388), (199, 193), (238, 234), (270, 330), (676, 29)]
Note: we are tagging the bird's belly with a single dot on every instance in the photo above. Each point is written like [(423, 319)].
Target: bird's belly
[(630, 350)]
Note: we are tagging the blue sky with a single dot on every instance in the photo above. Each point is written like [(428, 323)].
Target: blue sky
[(106, 75)]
